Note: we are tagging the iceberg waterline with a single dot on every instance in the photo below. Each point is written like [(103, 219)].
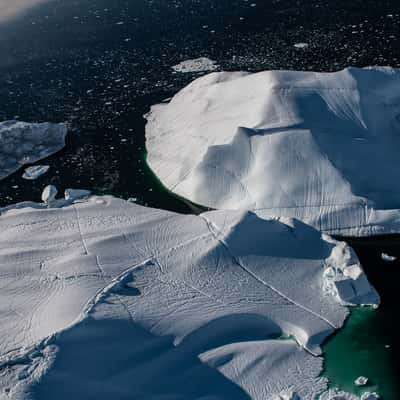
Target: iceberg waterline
[(101, 287), (321, 147), (25, 143)]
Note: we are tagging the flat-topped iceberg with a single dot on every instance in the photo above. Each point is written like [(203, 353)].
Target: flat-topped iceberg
[(25, 143), (321, 147), (102, 298)]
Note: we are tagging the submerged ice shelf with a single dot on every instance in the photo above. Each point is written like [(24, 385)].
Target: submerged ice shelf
[(98, 287), (25, 143), (321, 147)]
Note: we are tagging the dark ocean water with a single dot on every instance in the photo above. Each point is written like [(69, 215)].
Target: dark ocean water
[(100, 64)]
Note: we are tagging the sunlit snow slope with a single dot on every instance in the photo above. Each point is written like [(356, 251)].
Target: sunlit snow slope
[(101, 298), (321, 147)]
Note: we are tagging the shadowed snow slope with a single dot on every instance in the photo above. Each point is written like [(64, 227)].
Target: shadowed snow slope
[(25, 143), (101, 298), (321, 147)]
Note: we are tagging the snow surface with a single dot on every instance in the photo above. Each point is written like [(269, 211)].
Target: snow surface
[(25, 143), (321, 147), (201, 64), (114, 300)]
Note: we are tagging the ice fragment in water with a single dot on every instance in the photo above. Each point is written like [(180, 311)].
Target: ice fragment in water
[(34, 172)]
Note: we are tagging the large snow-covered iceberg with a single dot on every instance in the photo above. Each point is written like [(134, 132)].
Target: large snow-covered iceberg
[(321, 147), (101, 298), (25, 143)]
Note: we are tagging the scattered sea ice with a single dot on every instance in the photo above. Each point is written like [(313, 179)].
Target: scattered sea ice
[(196, 65)]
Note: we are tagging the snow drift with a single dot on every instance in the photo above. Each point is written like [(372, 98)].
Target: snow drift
[(114, 300), (25, 143), (321, 147)]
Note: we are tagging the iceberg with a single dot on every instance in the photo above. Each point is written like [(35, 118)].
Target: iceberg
[(25, 143), (108, 298), (34, 172), (320, 147)]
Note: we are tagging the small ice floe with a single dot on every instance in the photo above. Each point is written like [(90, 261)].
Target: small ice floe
[(301, 45), (26, 143), (49, 194), (32, 173), (370, 396), (196, 65), (361, 381), (388, 258), (76, 194)]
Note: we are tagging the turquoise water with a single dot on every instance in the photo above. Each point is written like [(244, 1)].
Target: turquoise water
[(360, 349), (368, 343)]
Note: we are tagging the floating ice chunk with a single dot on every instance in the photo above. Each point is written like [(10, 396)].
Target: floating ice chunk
[(49, 194), (201, 64), (25, 143), (178, 294), (301, 45), (361, 381), (34, 172), (370, 396), (76, 194), (284, 143), (388, 258)]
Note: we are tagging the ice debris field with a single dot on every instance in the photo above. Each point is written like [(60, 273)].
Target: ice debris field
[(201, 64), (25, 143), (105, 297), (321, 147)]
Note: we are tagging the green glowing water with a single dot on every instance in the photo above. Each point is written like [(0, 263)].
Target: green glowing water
[(368, 343), (359, 349)]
